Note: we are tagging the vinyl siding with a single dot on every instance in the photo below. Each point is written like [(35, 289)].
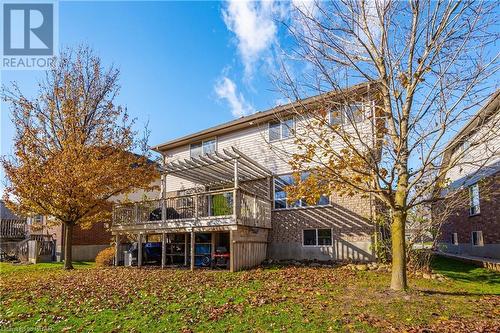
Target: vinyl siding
[(252, 141)]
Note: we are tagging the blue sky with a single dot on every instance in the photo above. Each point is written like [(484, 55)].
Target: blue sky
[(182, 67), (185, 66)]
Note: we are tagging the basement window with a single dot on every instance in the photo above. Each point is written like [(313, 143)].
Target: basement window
[(317, 237)]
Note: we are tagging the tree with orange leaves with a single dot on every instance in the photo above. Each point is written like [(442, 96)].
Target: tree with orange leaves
[(73, 147)]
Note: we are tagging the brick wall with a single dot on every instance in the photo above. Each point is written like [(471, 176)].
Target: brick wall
[(487, 221), (97, 234), (350, 219)]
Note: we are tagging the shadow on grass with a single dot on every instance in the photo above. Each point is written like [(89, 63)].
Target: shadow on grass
[(455, 293), (466, 279), (461, 271)]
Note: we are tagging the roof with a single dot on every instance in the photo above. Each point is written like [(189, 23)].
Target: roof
[(6, 213), (261, 116), (476, 176), (489, 109)]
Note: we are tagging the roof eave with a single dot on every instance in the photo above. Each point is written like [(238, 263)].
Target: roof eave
[(263, 116)]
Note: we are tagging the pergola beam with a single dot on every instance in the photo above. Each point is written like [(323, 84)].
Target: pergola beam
[(217, 168)]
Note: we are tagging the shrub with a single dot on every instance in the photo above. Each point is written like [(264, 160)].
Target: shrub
[(105, 257)]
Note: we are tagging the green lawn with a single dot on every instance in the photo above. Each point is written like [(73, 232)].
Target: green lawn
[(39, 297)]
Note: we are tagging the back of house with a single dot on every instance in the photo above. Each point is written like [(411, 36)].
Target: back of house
[(223, 190)]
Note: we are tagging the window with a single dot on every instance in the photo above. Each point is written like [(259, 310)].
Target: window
[(465, 145), (477, 238), (280, 196), (474, 200), (354, 113), (324, 236), (349, 114), (209, 146), (36, 220), (203, 147), (317, 237), (310, 237), (279, 130), (454, 238)]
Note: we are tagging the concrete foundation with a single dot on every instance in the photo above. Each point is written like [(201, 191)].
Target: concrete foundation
[(86, 252), (340, 250), (485, 251)]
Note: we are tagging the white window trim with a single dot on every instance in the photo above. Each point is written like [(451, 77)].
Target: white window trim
[(202, 142), (316, 230), (453, 238), (281, 129), (343, 109), (478, 211), (273, 207), (480, 238)]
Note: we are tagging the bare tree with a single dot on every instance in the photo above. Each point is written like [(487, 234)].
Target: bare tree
[(427, 66)]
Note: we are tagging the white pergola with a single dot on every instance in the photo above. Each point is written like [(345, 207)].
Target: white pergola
[(218, 168), (230, 166)]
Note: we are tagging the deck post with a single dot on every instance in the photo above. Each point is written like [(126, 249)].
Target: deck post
[(192, 250), (139, 250), (235, 192), (231, 251), (163, 250), (195, 208), (164, 195), (136, 213), (117, 248), (212, 247), (185, 249)]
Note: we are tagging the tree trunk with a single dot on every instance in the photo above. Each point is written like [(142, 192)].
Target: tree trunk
[(398, 280), (68, 242)]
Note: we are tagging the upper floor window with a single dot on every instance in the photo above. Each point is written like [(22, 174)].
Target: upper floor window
[(348, 114), (280, 196), (282, 129), (203, 147), (474, 199), (36, 220), (477, 238)]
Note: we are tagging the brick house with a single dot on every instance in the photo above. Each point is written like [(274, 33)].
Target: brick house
[(87, 242), (223, 188), (471, 224)]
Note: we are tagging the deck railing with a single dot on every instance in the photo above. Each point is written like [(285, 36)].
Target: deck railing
[(13, 229), (249, 209)]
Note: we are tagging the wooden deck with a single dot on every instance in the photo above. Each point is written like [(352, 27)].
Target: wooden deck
[(241, 210), (200, 211), (246, 219)]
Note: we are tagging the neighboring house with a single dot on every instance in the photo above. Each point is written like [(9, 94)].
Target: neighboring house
[(223, 191), (12, 227), (13, 232), (87, 242), (16, 231), (471, 223)]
